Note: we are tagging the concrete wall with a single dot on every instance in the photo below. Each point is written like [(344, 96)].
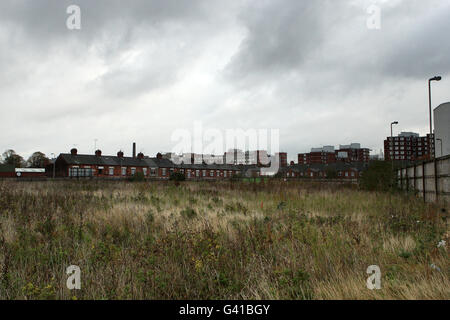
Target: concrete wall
[(422, 179)]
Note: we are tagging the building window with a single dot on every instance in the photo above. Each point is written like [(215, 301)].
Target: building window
[(197, 173), (204, 173), (225, 174), (211, 173), (111, 171), (144, 170), (124, 171), (133, 171), (163, 172), (80, 172)]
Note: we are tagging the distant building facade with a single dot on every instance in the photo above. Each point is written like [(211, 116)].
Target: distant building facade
[(408, 146), (328, 155)]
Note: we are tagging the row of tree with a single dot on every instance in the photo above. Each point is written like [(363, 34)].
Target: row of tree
[(36, 160)]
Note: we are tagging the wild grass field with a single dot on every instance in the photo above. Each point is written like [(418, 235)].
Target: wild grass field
[(223, 240)]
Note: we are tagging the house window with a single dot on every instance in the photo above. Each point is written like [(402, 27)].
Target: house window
[(346, 174), (111, 171), (204, 173), (133, 171), (124, 171), (163, 172), (211, 173), (197, 173), (225, 174), (218, 173), (144, 171), (153, 172), (80, 172)]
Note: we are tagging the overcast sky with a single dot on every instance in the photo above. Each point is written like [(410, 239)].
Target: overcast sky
[(139, 70)]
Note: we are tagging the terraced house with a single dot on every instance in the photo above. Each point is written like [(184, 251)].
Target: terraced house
[(74, 165), (347, 171)]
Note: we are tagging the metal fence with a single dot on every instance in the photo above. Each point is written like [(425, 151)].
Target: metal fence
[(430, 179)]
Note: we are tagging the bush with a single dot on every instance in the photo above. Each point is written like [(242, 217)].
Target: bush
[(138, 176), (379, 177), (177, 176), (237, 177), (332, 174)]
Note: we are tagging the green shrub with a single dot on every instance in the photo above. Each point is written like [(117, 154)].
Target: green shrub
[(177, 176), (379, 177), (138, 176)]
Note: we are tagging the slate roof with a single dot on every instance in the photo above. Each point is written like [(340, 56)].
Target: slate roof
[(87, 159)]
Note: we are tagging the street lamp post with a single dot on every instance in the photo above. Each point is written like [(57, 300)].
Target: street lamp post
[(442, 151), (437, 78), (392, 145)]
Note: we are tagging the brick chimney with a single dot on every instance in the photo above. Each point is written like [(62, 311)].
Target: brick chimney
[(158, 155), (140, 155), (73, 151), (134, 149), (98, 153), (120, 154)]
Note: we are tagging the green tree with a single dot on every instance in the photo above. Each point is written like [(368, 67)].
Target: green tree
[(37, 160), (379, 177), (12, 158)]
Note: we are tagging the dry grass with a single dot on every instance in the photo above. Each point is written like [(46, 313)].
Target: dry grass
[(227, 240)]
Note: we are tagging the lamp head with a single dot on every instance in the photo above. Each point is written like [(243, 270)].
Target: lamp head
[(437, 78)]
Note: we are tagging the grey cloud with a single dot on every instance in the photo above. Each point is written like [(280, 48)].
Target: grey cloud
[(310, 68), (280, 36)]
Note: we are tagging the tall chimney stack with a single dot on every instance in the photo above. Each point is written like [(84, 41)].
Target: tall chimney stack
[(134, 149)]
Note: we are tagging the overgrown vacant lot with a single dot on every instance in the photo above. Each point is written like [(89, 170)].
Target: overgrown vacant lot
[(229, 240)]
